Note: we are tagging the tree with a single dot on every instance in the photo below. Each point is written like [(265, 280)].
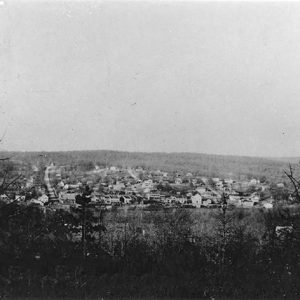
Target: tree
[(9, 175), (224, 228), (90, 218), (295, 182)]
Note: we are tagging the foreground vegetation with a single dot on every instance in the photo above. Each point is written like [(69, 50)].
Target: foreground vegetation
[(174, 253)]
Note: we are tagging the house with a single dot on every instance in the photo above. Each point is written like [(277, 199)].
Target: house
[(268, 205), (194, 181), (125, 199), (61, 184), (206, 202), (178, 181), (181, 200), (267, 202), (219, 184), (114, 199), (36, 201), (170, 200), (167, 200), (146, 190), (4, 197), (204, 179), (228, 181), (147, 184), (119, 186), (68, 196), (282, 231), (106, 200), (19, 198), (196, 200), (234, 200), (153, 197), (254, 198), (254, 182), (29, 182), (247, 203), (72, 186), (44, 198), (35, 168), (201, 190)]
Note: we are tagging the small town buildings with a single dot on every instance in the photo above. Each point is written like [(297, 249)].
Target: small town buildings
[(178, 181), (113, 169), (147, 184), (125, 199), (268, 205), (153, 196), (206, 202), (254, 198), (247, 203), (234, 200), (119, 186), (254, 181), (282, 231), (215, 179), (181, 200), (196, 200), (201, 190), (4, 197), (44, 198)]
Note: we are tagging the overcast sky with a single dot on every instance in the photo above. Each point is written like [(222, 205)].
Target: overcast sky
[(219, 78)]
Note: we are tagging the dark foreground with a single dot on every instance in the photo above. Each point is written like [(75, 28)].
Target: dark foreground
[(42, 255)]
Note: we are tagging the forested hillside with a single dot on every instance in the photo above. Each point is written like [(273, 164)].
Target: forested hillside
[(236, 167)]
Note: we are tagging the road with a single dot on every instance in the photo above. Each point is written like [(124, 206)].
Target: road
[(131, 173), (51, 191)]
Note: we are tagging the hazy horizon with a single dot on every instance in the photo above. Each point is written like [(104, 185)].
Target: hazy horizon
[(152, 152), (196, 77)]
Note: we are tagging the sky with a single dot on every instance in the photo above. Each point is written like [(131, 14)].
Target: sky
[(155, 76)]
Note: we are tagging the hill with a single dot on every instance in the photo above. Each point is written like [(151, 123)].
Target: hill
[(236, 167)]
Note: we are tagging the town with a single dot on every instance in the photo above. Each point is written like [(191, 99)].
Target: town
[(137, 187)]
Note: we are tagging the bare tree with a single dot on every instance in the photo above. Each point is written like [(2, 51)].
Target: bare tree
[(3, 158), (295, 182), (9, 178)]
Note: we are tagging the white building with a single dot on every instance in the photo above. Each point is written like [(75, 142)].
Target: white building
[(181, 200), (206, 202), (44, 198), (248, 203), (147, 184), (196, 200), (178, 180), (268, 205)]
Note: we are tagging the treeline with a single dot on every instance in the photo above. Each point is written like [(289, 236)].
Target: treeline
[(148, 255), (236, 167)]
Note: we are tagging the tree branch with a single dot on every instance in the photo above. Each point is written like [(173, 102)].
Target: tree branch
[(294, 181)]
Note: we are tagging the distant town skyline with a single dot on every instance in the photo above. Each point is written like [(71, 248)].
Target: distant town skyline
[(204, 77)]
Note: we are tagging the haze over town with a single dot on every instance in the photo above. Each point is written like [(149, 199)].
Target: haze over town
[(153, 76)]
